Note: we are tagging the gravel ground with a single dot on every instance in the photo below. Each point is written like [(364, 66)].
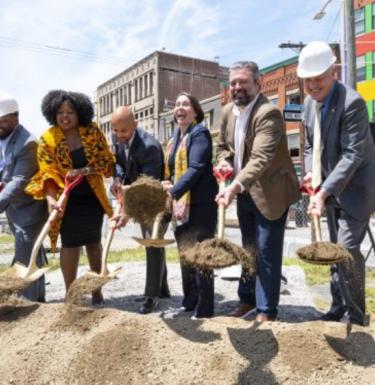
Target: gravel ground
[(125, 292)]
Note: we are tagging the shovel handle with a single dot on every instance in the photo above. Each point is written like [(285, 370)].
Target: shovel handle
[(221, 213), (107, 243), (318, 231), (69, 185), (156, 226)]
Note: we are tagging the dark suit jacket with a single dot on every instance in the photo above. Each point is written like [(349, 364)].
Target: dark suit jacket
[(267, 172), (199, 178), (145, 157), (20, 165), (348, 151)]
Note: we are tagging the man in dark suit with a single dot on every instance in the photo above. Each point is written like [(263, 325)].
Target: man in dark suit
[(139, 153), (26, 216), (253, 141), (340, 164)]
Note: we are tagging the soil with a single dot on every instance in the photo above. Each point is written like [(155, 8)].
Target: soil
[(323, 251), (144, 199), (219, 253), (85, 285), (10, 285), (59, 344)]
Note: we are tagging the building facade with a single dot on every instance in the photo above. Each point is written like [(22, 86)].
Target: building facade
[(151, 85), (364, 20)]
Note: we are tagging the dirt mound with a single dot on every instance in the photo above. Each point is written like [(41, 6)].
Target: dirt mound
[(144, 199), (323, 252), (218, 253), (10, 286), (83, 286), (59, 344)]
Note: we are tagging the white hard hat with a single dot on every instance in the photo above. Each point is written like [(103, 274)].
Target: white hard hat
[(8, 104), (314, 59)]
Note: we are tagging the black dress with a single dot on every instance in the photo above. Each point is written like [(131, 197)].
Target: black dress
[(83, 217)]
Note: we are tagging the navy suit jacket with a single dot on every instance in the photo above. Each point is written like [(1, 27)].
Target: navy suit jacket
[(145, 158), (348, 151), (199, 178)]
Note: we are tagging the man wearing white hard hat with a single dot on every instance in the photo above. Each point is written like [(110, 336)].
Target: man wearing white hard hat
[(18, 163), (340, 164)]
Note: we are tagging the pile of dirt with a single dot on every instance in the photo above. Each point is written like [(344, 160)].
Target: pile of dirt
[(218, 253), (324, 252), (83, 286), (144, 199), (11, 285), (59, 344)]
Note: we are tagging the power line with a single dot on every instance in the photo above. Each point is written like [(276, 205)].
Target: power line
[(62, 51)]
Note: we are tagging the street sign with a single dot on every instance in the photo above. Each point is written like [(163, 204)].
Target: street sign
[(293, 112), (294, 107), (290, 116)]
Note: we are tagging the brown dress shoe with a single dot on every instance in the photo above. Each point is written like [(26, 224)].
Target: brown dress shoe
[(261, 317), (241, 310)]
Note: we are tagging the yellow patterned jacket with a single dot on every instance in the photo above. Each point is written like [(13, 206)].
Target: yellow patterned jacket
[(55, 162)]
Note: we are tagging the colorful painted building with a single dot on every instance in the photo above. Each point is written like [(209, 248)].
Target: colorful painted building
[(364, 16)]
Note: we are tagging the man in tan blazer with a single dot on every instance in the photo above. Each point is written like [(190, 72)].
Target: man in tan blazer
[(253, 141)]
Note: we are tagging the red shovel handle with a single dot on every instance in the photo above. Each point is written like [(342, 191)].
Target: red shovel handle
[(223, 174), (309, 190), (70, 184)]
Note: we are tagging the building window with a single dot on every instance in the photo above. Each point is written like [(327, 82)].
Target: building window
[(274, 100), (293, 98), (146, 85), (140, 82), (361, 68), (293, 144), (151, 83), (359, 21), (135, 90), (146, 113)]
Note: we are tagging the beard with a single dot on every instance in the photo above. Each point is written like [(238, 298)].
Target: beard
[(242, 98)]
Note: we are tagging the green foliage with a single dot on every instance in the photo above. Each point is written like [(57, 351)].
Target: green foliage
[(315, 274)]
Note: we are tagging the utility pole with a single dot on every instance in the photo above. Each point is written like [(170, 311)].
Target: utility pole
[(348, 72), (297, 47)]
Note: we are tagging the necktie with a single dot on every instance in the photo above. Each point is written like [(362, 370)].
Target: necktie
[(317, 148)]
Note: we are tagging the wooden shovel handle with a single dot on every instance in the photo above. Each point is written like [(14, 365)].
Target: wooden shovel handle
[(318, 231), (52, 217), (221, 214)]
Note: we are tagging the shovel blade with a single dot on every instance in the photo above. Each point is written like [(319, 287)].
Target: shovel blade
[(149, 242), (18, 270)]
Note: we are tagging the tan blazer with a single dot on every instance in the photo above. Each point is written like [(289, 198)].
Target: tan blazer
[(267, 171)]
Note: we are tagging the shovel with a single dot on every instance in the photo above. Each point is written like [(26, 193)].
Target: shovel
[(319, 252), (219, 252), (155, 241), (32, 272), (91, 280)]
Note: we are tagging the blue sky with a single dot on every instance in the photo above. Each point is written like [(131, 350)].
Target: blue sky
[(78, 44)]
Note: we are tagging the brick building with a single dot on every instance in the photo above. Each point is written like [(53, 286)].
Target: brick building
[(151, 85)]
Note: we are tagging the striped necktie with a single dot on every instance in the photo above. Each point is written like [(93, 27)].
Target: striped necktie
[(317, 148)]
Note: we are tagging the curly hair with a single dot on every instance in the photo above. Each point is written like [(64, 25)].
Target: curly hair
[(81, 104)]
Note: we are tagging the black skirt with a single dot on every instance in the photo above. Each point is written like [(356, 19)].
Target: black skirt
[(83, 217)]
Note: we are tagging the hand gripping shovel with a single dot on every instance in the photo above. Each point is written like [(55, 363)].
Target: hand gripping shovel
[(32, 272), (319, 252), (155, 241)]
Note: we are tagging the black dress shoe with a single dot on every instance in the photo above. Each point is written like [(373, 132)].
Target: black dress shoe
[(149, 305), (330, 317)]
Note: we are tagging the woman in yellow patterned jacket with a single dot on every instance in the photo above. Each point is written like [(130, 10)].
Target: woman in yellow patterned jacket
[(74, 146)]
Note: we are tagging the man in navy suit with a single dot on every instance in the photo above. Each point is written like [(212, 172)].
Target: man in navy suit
[(26, 216), (340, 163), (138, 153)]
